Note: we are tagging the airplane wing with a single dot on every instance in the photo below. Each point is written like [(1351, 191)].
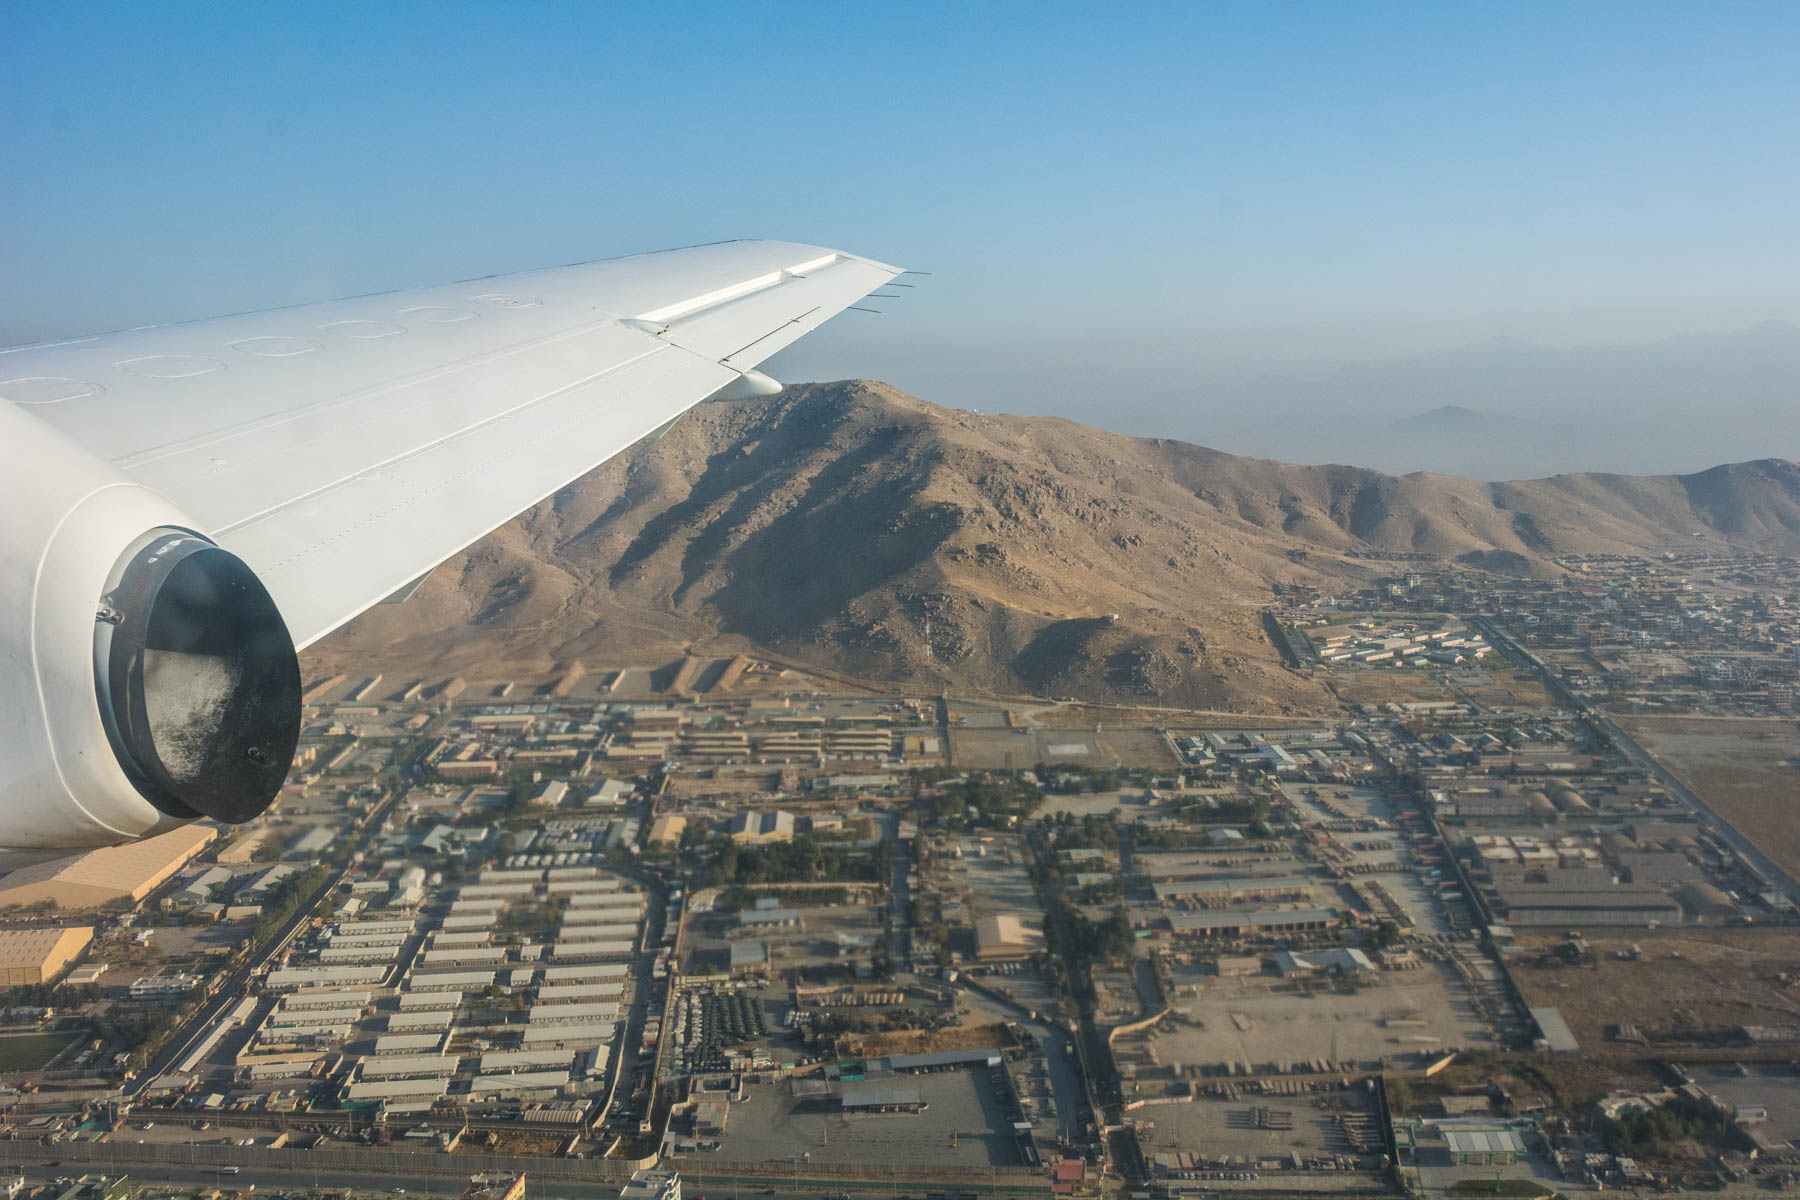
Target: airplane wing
[(344, 449), (184, 505)]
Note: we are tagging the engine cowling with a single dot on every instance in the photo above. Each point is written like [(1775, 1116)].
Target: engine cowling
[(146, 676)]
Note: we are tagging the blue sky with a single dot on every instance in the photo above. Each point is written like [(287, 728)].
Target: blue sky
[(1158, 194)]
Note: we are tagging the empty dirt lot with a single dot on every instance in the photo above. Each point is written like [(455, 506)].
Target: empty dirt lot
[(1499, 687), (1022, 748), (1689, 986), (1747, 769)]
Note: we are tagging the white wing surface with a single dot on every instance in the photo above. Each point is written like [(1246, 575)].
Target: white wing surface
[(344, 449)]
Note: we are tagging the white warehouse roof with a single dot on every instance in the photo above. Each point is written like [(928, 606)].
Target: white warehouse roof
[(387, 1088), (599, 1031), (408, 1066), (524, 1081)]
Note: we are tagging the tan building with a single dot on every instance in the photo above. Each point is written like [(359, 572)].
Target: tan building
[(244, 849), (473, 768), (39, 955), (115, 875), (761, 828), (666, 831), (1005, 936)]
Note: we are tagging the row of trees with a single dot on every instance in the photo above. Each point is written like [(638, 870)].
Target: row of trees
[(983, 801), (145, 1027), (1658, 1133), (1110, 940), (1096, 831), (285, 899), (1077, 781), (806, 859), (1252, 813), (50, 995)]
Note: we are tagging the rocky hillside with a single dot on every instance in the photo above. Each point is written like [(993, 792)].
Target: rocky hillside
[(853, 526)]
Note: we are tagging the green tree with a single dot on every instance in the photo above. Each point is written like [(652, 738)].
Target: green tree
[(1115, 937)]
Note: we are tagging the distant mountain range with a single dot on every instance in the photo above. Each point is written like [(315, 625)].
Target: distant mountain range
[(855, 527), (1507, 409), (1450, 440)]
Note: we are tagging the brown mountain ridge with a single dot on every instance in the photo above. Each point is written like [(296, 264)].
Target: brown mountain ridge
[(858, 528)]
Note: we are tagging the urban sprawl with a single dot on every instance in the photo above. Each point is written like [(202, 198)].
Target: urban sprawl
[(1521, 913)]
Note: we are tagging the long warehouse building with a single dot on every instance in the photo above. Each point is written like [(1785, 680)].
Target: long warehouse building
[(40, 955), (111, 876)]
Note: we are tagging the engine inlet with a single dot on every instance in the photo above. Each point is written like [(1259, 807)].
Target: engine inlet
[(198, 680)]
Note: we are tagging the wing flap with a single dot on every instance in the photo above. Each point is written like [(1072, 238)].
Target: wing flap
[(743, 330)]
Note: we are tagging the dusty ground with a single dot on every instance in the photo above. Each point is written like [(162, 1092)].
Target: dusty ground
[(1104, 746), (536, 1144), (1086, 716), (1747, 769), (1495, 689), (1687, 986), (1398, 1017), (1357, 686), (959, 1037)]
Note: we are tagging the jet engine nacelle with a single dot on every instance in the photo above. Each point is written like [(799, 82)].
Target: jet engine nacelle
[(146, 676)]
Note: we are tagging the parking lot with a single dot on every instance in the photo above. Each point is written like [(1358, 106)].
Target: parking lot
[(964, 1124), (1329, 1130), (1049, 1076), (1393, 1017), (973, 748)]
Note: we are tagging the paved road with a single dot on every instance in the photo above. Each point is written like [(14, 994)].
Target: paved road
[(698, 1183), (1101, 1072), (1066, 1085), (629, 1059), (900, 941), (1067, 1088), (269, 1179)]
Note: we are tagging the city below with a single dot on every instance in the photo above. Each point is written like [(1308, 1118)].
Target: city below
[(1517, 918)]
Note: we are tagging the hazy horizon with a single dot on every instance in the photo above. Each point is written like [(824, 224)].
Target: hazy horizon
[(1543, 409)]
